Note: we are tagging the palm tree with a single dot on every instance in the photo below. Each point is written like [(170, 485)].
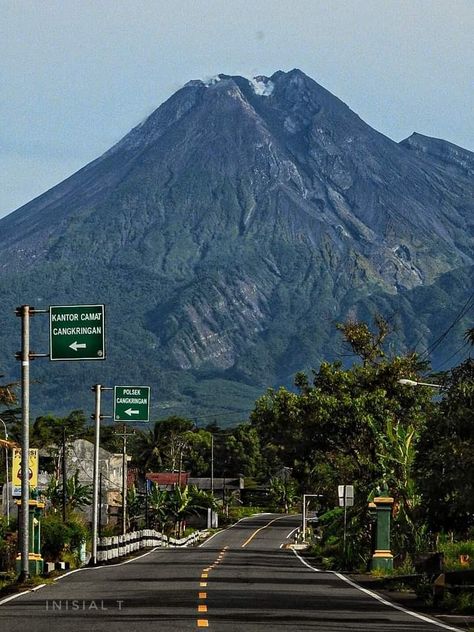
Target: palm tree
[(149, 447), (183, 501), (158, 502)]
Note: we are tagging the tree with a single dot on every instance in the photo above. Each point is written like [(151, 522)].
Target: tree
[(78, 495), (242, 451), (445, 462), (164, 446), (183, 501), (48, 430), (363, 342), (356, 425), (283, 492), (158, 507), (7, 394)]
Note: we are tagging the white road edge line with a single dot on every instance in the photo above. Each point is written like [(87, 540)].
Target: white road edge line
[(77, 570), (379, 598), (232, 525), (291, 532)]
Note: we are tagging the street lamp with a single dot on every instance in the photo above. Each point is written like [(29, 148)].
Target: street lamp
[(406, 382), (7, 495)]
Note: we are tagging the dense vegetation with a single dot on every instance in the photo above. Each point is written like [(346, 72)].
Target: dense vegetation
[(339, 425)]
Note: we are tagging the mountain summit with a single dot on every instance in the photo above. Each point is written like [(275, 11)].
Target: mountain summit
[(232, 228)]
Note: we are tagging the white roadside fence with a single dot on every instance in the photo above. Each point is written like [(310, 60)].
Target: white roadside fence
[(119, 545)]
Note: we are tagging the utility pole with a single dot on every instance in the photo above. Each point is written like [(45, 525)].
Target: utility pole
[(124, 434), (146, 503), (64, 474), (212, 464), (100, 505)]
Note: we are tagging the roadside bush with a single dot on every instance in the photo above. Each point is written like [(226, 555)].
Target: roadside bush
[(8, 545), (59, 538), (236, 513), (452, 554), (458, 602)]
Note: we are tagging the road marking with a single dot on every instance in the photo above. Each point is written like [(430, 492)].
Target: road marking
[(202, 608), (204, 575), (261, 529), (231, 527), (203, 623), (13, 597), (203, 584), (203, 595), (378, 597), (78, 570)]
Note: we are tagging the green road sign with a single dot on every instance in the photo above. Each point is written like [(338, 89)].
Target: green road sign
[(76, 332), (131, 403)]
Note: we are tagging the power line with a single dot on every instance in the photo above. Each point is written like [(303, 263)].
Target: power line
[(466, 307), (461, 348)]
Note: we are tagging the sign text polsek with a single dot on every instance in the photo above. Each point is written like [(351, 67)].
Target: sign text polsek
[(132, 403), (77, 332)]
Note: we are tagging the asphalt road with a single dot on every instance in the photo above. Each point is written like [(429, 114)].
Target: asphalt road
[(239, 580)]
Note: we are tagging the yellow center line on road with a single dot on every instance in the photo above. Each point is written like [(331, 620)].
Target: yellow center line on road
[(203, 584), (202, 608), (261, 529), (202, 623), (203, 595)]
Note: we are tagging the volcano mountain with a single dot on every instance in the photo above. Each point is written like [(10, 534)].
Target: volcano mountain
[(228, 233)]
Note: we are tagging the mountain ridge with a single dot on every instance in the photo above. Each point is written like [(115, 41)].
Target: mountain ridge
[(215, 226)]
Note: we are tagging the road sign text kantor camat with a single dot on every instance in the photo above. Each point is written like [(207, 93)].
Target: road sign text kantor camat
[(76, 332), (131, 403)]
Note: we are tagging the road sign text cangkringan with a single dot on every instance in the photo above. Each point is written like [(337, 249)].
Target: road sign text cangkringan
[(77, 332), (132, 403)]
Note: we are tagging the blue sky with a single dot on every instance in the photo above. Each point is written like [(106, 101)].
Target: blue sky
[(77, 75)]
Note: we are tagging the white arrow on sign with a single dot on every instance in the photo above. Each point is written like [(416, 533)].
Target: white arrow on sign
[(129, 412), (78, 345)]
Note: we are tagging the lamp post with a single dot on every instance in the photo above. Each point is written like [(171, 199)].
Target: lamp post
[(6, 470), (406, 382)]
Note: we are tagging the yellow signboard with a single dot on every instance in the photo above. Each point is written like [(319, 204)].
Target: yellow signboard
[(16, 469)]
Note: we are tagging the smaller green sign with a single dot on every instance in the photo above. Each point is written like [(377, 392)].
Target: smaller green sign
[(131, 403)]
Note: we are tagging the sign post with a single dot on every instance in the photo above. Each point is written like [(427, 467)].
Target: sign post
[(76, 332), (132, 403), (346, 499)]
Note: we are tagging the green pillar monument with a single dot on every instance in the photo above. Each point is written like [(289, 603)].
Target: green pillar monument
[(382, 558), (35, 561)]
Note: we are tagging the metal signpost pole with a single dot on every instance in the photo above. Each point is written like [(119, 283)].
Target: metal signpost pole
[(24, 312), (345, 520), (25, 440), (124, 482), (95, 489), (305, 496), (304, 517)]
